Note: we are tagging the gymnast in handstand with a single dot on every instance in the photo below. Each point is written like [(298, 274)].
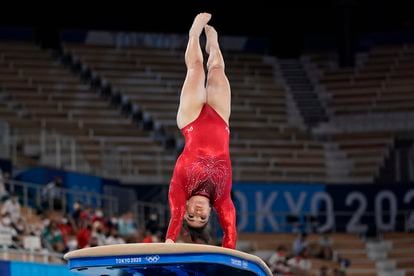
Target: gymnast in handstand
[(202, 176)]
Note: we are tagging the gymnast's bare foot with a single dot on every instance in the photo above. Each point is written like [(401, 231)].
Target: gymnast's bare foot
[(211, 35), (198, 24)]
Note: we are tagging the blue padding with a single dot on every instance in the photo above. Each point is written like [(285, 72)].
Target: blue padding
[(4, 268), (167, 264), (36, 269)]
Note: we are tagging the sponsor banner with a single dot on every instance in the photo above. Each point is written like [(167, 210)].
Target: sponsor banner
[(317, 207), (371, 207), (265, 207)]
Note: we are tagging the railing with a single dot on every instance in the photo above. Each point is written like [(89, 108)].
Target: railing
[(31, 195), (50, 148), (60, 151)]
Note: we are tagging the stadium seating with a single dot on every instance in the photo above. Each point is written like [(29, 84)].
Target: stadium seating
[(42, 94)]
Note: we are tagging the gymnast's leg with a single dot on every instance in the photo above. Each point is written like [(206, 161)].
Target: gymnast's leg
[(193, 92), (218, 87)]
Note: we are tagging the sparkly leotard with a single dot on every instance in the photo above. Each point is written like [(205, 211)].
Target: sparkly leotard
[(204, 168)]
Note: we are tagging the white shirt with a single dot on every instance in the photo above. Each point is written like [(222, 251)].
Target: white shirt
[(299, 262), (3, 190), (13, 209), (112, 240)]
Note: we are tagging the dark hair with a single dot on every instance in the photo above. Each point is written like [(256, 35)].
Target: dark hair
[(197, 234)]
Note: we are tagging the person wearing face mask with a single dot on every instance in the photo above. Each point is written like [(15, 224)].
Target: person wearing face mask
[(99, 216), (3, 191), (12, 207), (6, 221), (7, 230), (113, 237)]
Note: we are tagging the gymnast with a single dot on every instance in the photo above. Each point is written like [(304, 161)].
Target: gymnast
[(202, 176)]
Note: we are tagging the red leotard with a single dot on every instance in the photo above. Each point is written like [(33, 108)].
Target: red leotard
[(204, 168)]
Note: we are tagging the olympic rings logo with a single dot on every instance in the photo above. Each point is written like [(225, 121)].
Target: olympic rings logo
[(152, 259)]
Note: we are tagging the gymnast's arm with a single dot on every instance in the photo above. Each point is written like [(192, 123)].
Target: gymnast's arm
[(177, 200), (227, 217)]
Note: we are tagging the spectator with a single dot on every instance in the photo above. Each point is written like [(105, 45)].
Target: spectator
[(277, 261), (151, 237), (126, 225), (148, 237), (20, 226), (72, 243), (3, 191), (299, 244), (52, 194), (344, 263), (98, 232), (325, 247), (7, 229), (152, 224), (87, 213), (53, 238), (84, 235), (111, 223), (114, 238), (300, 263), (93, 242), (77, 215), (98, 217), (12, 207), (66, 229)]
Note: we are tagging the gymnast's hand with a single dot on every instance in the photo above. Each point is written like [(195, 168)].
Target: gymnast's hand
[(169, 241)]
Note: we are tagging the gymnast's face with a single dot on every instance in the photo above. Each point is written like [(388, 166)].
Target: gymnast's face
[(198, 211)]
